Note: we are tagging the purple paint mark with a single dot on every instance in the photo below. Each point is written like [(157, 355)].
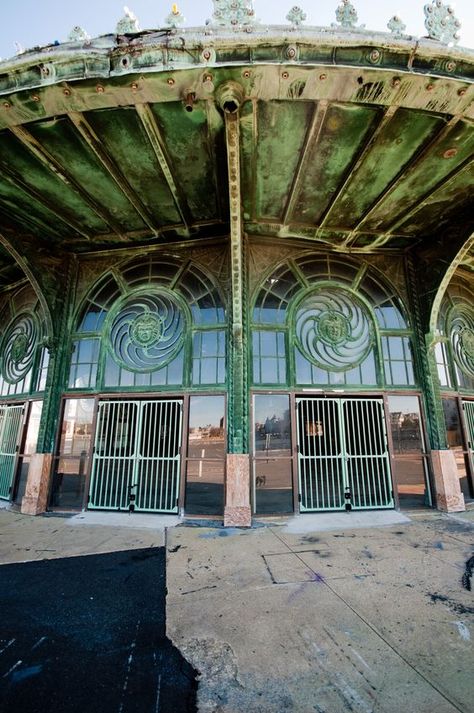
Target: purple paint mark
[(313, 577)]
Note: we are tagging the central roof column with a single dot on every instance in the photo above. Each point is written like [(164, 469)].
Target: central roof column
[(237, 511)]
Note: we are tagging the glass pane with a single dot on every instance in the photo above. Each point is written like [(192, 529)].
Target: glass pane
[(69, 481), (22, 478), (206, 427), (206, 441), (408, 446), (76, 430), (272, 424), (456, 442), (204, 487), (273, 486), (33, 427)]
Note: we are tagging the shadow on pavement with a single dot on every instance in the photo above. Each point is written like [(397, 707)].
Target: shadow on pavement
[(89, 634)]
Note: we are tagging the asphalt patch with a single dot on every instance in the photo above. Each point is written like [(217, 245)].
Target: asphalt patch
[(88, 635)]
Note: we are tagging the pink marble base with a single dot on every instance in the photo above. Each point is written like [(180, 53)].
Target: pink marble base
[(237, 516), (237, 511), (35, 500), (449, 497)]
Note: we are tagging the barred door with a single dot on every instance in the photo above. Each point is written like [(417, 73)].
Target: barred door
[(343, 457), (468, 408), (137, 456), (11, 421)]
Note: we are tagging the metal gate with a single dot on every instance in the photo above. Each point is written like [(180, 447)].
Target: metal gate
[(137, 456), (468, 408), (343, 458), (11, 421)]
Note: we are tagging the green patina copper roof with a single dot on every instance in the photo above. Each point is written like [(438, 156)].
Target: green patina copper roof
[(353, 140)]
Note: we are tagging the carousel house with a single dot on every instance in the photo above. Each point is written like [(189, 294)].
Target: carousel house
[(237, 268)]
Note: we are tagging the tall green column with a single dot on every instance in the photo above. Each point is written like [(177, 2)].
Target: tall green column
[(237, 511), (447, 492), (37, 489)]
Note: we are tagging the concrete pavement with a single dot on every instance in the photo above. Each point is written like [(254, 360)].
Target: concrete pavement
[(365, 620), (297, 616)]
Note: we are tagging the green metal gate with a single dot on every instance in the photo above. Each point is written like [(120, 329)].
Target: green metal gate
[(343, 457), (137, 456), (468, 408), (11, 421)]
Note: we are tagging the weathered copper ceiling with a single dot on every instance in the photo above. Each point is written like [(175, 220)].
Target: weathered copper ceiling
[(351, 142)]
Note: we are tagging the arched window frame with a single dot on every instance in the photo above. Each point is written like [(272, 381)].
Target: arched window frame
[(459, 299), (186, 285), (23, 306), (311, 273)]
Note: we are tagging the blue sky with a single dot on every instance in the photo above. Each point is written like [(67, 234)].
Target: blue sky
[(40, 22)]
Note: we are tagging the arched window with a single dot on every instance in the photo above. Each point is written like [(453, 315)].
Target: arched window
[(24, 358), (150, 323), (455, 349), (320, 321)]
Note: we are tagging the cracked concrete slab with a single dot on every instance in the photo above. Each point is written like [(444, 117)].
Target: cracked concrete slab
[(358, 621)]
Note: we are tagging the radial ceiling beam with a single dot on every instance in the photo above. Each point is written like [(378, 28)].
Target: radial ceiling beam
[(405, 172), (159, 147), (359, 159), (312, 137), (15, 180), (35, 147), (429, 195), (95, 144)]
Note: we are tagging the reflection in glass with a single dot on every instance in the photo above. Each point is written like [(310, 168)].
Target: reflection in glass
[(273, 491), (408, 445), (272, 424), (206, 456), (29, 447), (72, 461), (456, 443)]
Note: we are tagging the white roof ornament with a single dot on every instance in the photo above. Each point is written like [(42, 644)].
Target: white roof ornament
[(296, 16), (78, 34), (234, 14), (175, 18), (441, 22), (396, 26), (346, 14), (128, 24)]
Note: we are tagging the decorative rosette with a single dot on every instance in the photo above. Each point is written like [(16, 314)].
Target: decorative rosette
[(333, 329), (147, 332), (19, 346), (461, 333)]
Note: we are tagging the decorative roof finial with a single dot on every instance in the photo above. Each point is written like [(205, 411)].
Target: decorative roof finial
[(235, 14), (396, 26), (296, 16), (346, 14), (175, 17), (78, 34), (128, 24), (441, 23)]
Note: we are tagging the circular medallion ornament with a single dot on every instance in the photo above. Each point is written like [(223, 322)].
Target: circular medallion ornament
[(146, 332), (333, 329), (19, 347), (467, 342), (461, 333)]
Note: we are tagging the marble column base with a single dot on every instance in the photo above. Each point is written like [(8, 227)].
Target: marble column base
[(449, 497), (35, 500), (237, 511)]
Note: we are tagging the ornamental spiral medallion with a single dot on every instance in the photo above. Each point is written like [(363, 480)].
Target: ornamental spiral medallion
[(333, 329), (461, 332), (19, 347), (147, 332)]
